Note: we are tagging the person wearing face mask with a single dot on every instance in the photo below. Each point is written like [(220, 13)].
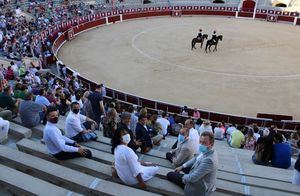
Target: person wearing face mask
[(129, 169), (59, 146), (183, 151), (74, 125), (200, 172)]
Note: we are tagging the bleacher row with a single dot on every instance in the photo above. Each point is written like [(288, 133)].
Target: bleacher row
[(27, 169)]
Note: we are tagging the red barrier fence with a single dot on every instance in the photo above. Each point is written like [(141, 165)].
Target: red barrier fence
[(95, 20)]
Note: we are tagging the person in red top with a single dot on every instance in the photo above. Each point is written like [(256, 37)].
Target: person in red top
[(10, 74)]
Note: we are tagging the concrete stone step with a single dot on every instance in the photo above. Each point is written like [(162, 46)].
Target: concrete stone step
[(62, 176), (23, 184), (96, 169), (238, 187), (225, 164), (143, 157), (19, 131)]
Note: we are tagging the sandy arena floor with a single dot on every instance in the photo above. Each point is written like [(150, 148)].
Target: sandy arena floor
[(256, 68)]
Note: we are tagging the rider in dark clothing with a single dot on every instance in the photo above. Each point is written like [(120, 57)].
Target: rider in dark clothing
[(199, 36), (214, 36)]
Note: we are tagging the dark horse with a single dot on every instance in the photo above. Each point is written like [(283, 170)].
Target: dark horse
[(197, 40), (211, 42)]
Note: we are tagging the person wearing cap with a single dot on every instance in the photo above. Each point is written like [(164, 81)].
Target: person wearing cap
[(199, 36)]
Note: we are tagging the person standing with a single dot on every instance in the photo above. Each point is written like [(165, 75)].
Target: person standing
[(96, 100)]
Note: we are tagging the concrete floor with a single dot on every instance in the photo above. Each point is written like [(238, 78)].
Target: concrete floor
[(256, 69)]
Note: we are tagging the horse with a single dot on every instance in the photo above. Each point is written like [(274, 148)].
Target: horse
[(197, 40), (211, 42)]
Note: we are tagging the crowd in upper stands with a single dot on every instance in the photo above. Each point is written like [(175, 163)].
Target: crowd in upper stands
[(39, 97)]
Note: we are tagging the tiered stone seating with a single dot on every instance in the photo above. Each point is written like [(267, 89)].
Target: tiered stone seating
[(62, 176), (23, 184)]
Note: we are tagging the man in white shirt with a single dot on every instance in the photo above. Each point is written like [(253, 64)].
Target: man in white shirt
[(74, 125), (58, 145), (219, 132), (164, 122), (193, 135)]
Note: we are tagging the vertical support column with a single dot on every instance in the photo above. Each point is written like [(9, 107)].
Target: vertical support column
[(121, 18), (236, 14), (106, 20)]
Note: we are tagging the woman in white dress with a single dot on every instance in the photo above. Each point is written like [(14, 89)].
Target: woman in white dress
[(129, 169)]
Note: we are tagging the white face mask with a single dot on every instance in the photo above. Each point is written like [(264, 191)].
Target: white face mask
[(126, 138)]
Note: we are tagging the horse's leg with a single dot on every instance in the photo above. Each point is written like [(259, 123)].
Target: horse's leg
[(209, 48), (206, 47), (216, 47), (201, 44)]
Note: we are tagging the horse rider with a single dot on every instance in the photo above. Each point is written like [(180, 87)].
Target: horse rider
[(214, 36), (199, 36)]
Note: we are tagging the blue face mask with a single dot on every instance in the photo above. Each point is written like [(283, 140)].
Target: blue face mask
[(202, 149), (180, 138)]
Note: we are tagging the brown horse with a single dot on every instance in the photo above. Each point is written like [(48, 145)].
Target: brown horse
[(211, 42), (199, 40)]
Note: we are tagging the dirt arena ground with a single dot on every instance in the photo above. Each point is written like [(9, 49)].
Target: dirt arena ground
[(256, 68)]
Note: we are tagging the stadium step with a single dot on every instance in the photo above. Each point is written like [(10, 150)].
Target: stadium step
[(236, 185), (95, 168), (62, 176), (19, 131), (23, 184)]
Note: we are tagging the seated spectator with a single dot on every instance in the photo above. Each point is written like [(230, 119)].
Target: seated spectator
[(219, 132), (4, 127), (294, 142), (236, 139), (29, 111), (6, 101), (74, 125), (41, 98), (155, 129), (177, 125), (143, 134), (256, 130), (133, 118), (193, 135), (196, 113), (200, 172), (164, 122), (58, 145), (198, 124), (229, 130), (296, 176), (281, 156), (110, 123), (125, 125), (77, 98), (205, 127), (250, 140), (183, 152), (128, 168), (185, 111), (20, 91)]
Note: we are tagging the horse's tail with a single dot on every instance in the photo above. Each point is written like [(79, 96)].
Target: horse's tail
[(192, 44)]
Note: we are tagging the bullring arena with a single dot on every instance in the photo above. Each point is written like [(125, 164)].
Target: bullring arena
[(256, 68), (141, 51)]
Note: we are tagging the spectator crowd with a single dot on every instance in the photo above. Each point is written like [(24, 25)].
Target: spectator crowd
[(38, 97)]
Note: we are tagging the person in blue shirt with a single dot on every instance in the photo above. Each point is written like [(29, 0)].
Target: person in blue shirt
[(281, 153)]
